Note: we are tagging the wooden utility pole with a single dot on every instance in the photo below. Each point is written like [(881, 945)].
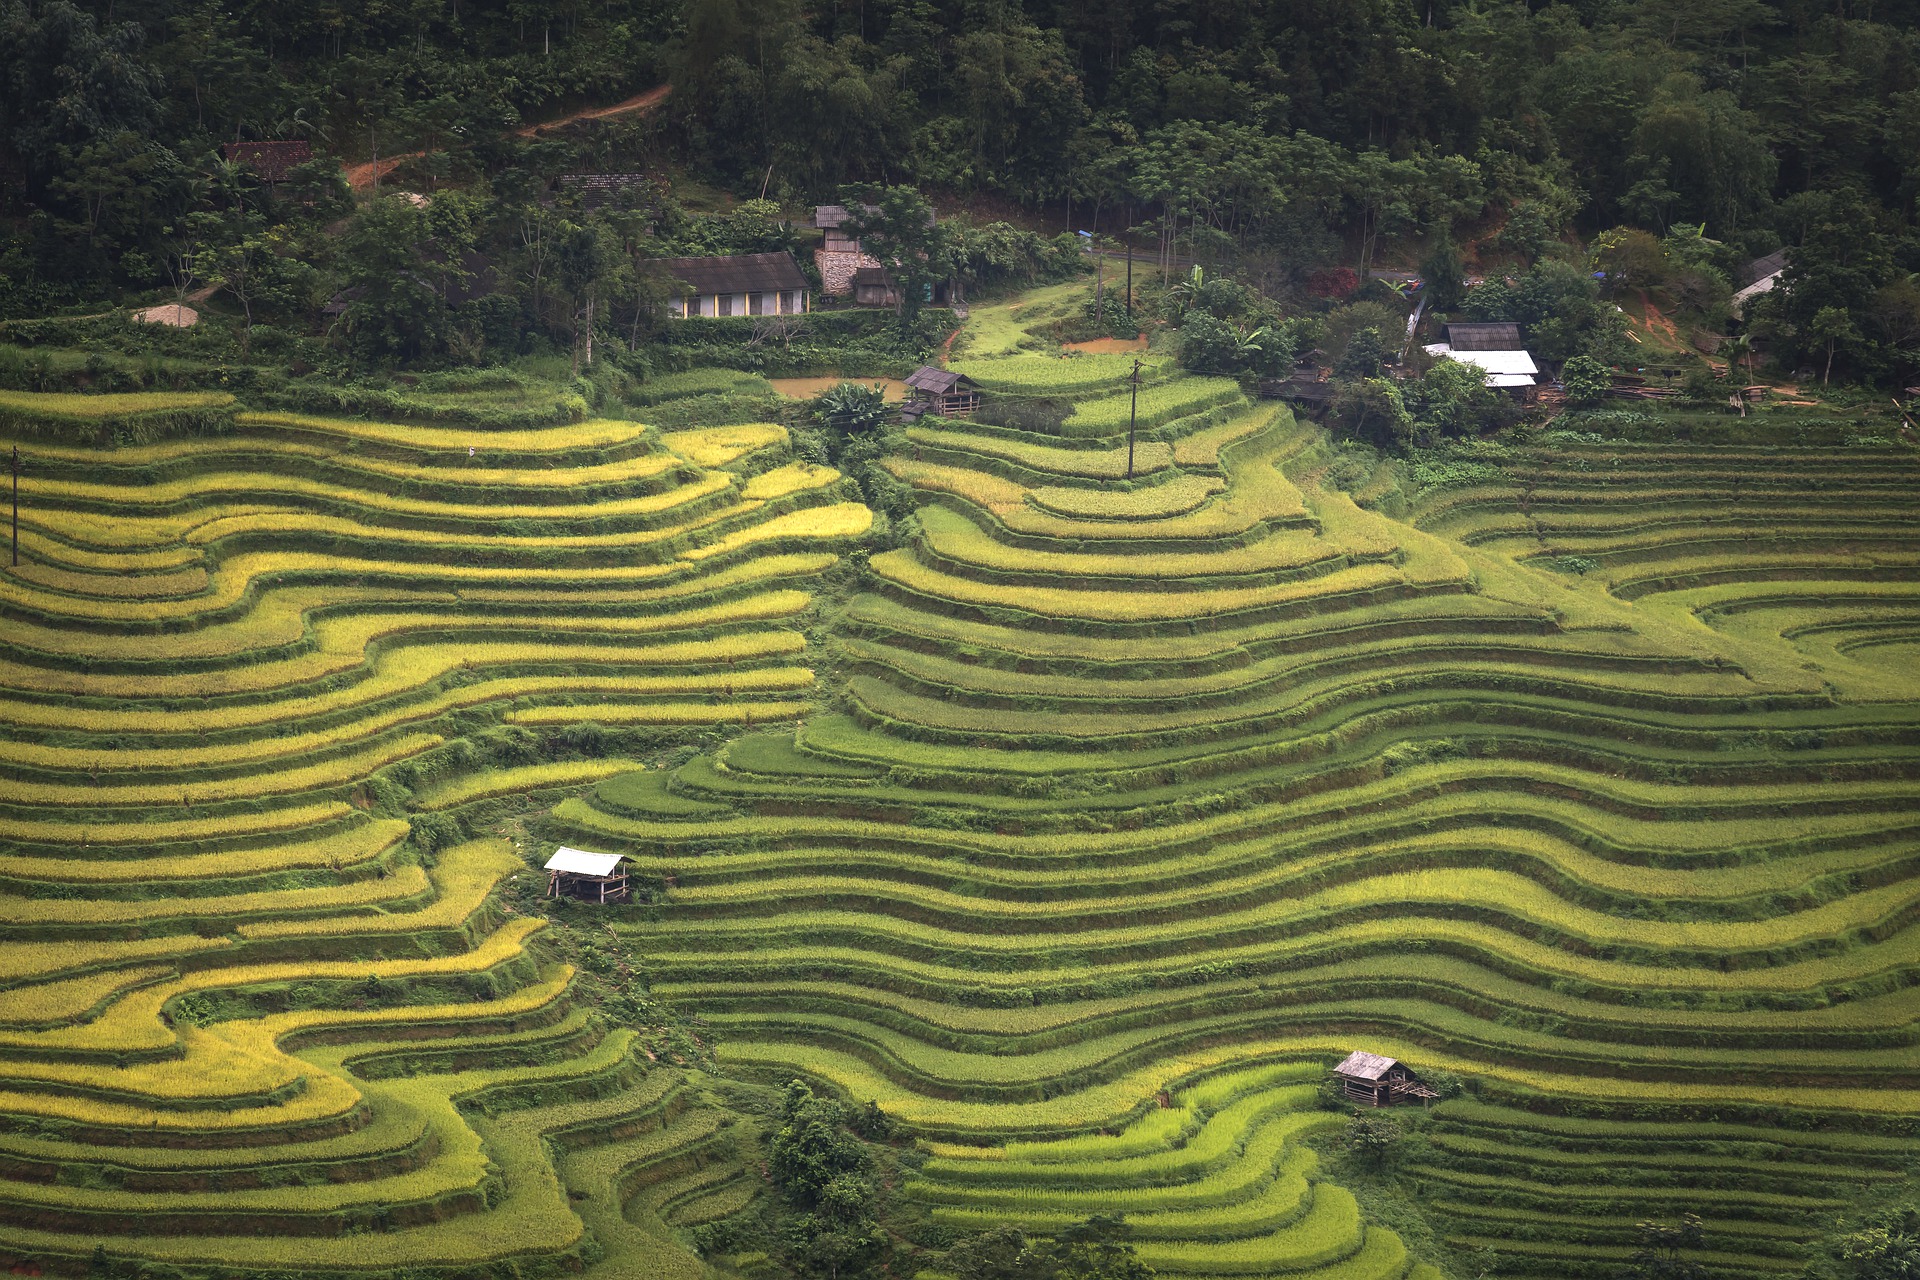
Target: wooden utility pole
[(16, 506), (1129, 280), (1133, 414)]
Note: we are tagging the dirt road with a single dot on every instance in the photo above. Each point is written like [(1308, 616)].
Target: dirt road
[(363, 176)]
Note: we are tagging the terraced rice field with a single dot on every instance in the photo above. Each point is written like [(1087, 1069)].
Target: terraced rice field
[(1595, 783), (261, 1011)]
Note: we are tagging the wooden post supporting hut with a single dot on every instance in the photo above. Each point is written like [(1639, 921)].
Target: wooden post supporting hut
[(1375, 1081), (587, 877)]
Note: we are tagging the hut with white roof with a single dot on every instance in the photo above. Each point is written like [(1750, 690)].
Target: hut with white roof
[(1495, 349), (587, 877)]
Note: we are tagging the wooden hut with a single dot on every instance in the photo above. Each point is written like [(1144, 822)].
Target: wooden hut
[(941, 392), (745, 284), (271, 162), (873, 287), (1375, 1081), (587, 877)]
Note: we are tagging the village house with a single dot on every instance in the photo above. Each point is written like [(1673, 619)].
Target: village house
[(270, 162), (1496, 350), (840, 256), (1376, 1081), (747, 284), (847, 270)]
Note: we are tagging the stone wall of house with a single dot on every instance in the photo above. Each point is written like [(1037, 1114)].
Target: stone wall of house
[(837, 268)]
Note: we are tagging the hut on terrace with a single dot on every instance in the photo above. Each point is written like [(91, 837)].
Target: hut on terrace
[(746, 284), (272, 161), (1375, 1081), (587, 877), (940, 391)]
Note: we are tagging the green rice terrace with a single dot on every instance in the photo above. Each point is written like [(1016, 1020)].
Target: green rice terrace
[(1081, 830)]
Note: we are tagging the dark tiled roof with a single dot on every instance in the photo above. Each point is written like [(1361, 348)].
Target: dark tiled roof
[(741, 273), (1484, 336), (270, 160)]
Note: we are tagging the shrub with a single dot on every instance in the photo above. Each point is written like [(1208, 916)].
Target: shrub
[(1586, 380)]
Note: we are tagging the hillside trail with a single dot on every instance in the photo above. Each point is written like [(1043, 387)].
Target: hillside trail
[(363, 176), (1657, 321)]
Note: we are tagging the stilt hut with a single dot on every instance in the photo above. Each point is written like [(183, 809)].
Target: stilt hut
[(1375, 1081), (938, 391), (586, 877)]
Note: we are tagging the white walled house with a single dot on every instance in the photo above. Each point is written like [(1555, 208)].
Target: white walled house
[(747, 284)]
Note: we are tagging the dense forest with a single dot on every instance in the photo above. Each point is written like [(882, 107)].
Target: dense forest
[(1278, 139)]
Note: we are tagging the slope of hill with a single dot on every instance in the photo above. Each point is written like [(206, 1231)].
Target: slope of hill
[(1594, 781), (262, 1010)]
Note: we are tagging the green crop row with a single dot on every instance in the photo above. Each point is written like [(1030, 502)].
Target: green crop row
[(1154, 406), (1070, 376)]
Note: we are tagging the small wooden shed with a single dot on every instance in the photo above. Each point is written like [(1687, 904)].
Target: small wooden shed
[(942, 392), (1376, 1081), (587, 877), (874, 287)]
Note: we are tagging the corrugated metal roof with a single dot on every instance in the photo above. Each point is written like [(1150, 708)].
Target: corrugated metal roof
[(1483, 336), (1494, 363), (1759, 269), (580, 862), (740, 273), (1362, 1065), (938, 381)]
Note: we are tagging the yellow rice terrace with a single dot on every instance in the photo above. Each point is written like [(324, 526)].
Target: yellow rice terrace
[(1018, 865)]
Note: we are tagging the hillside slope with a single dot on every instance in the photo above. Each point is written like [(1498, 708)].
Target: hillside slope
[(1139, 787), (260, 1007)]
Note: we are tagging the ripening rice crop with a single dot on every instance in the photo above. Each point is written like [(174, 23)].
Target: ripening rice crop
[(261, 746), (1075, 375), (1158, 404)]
